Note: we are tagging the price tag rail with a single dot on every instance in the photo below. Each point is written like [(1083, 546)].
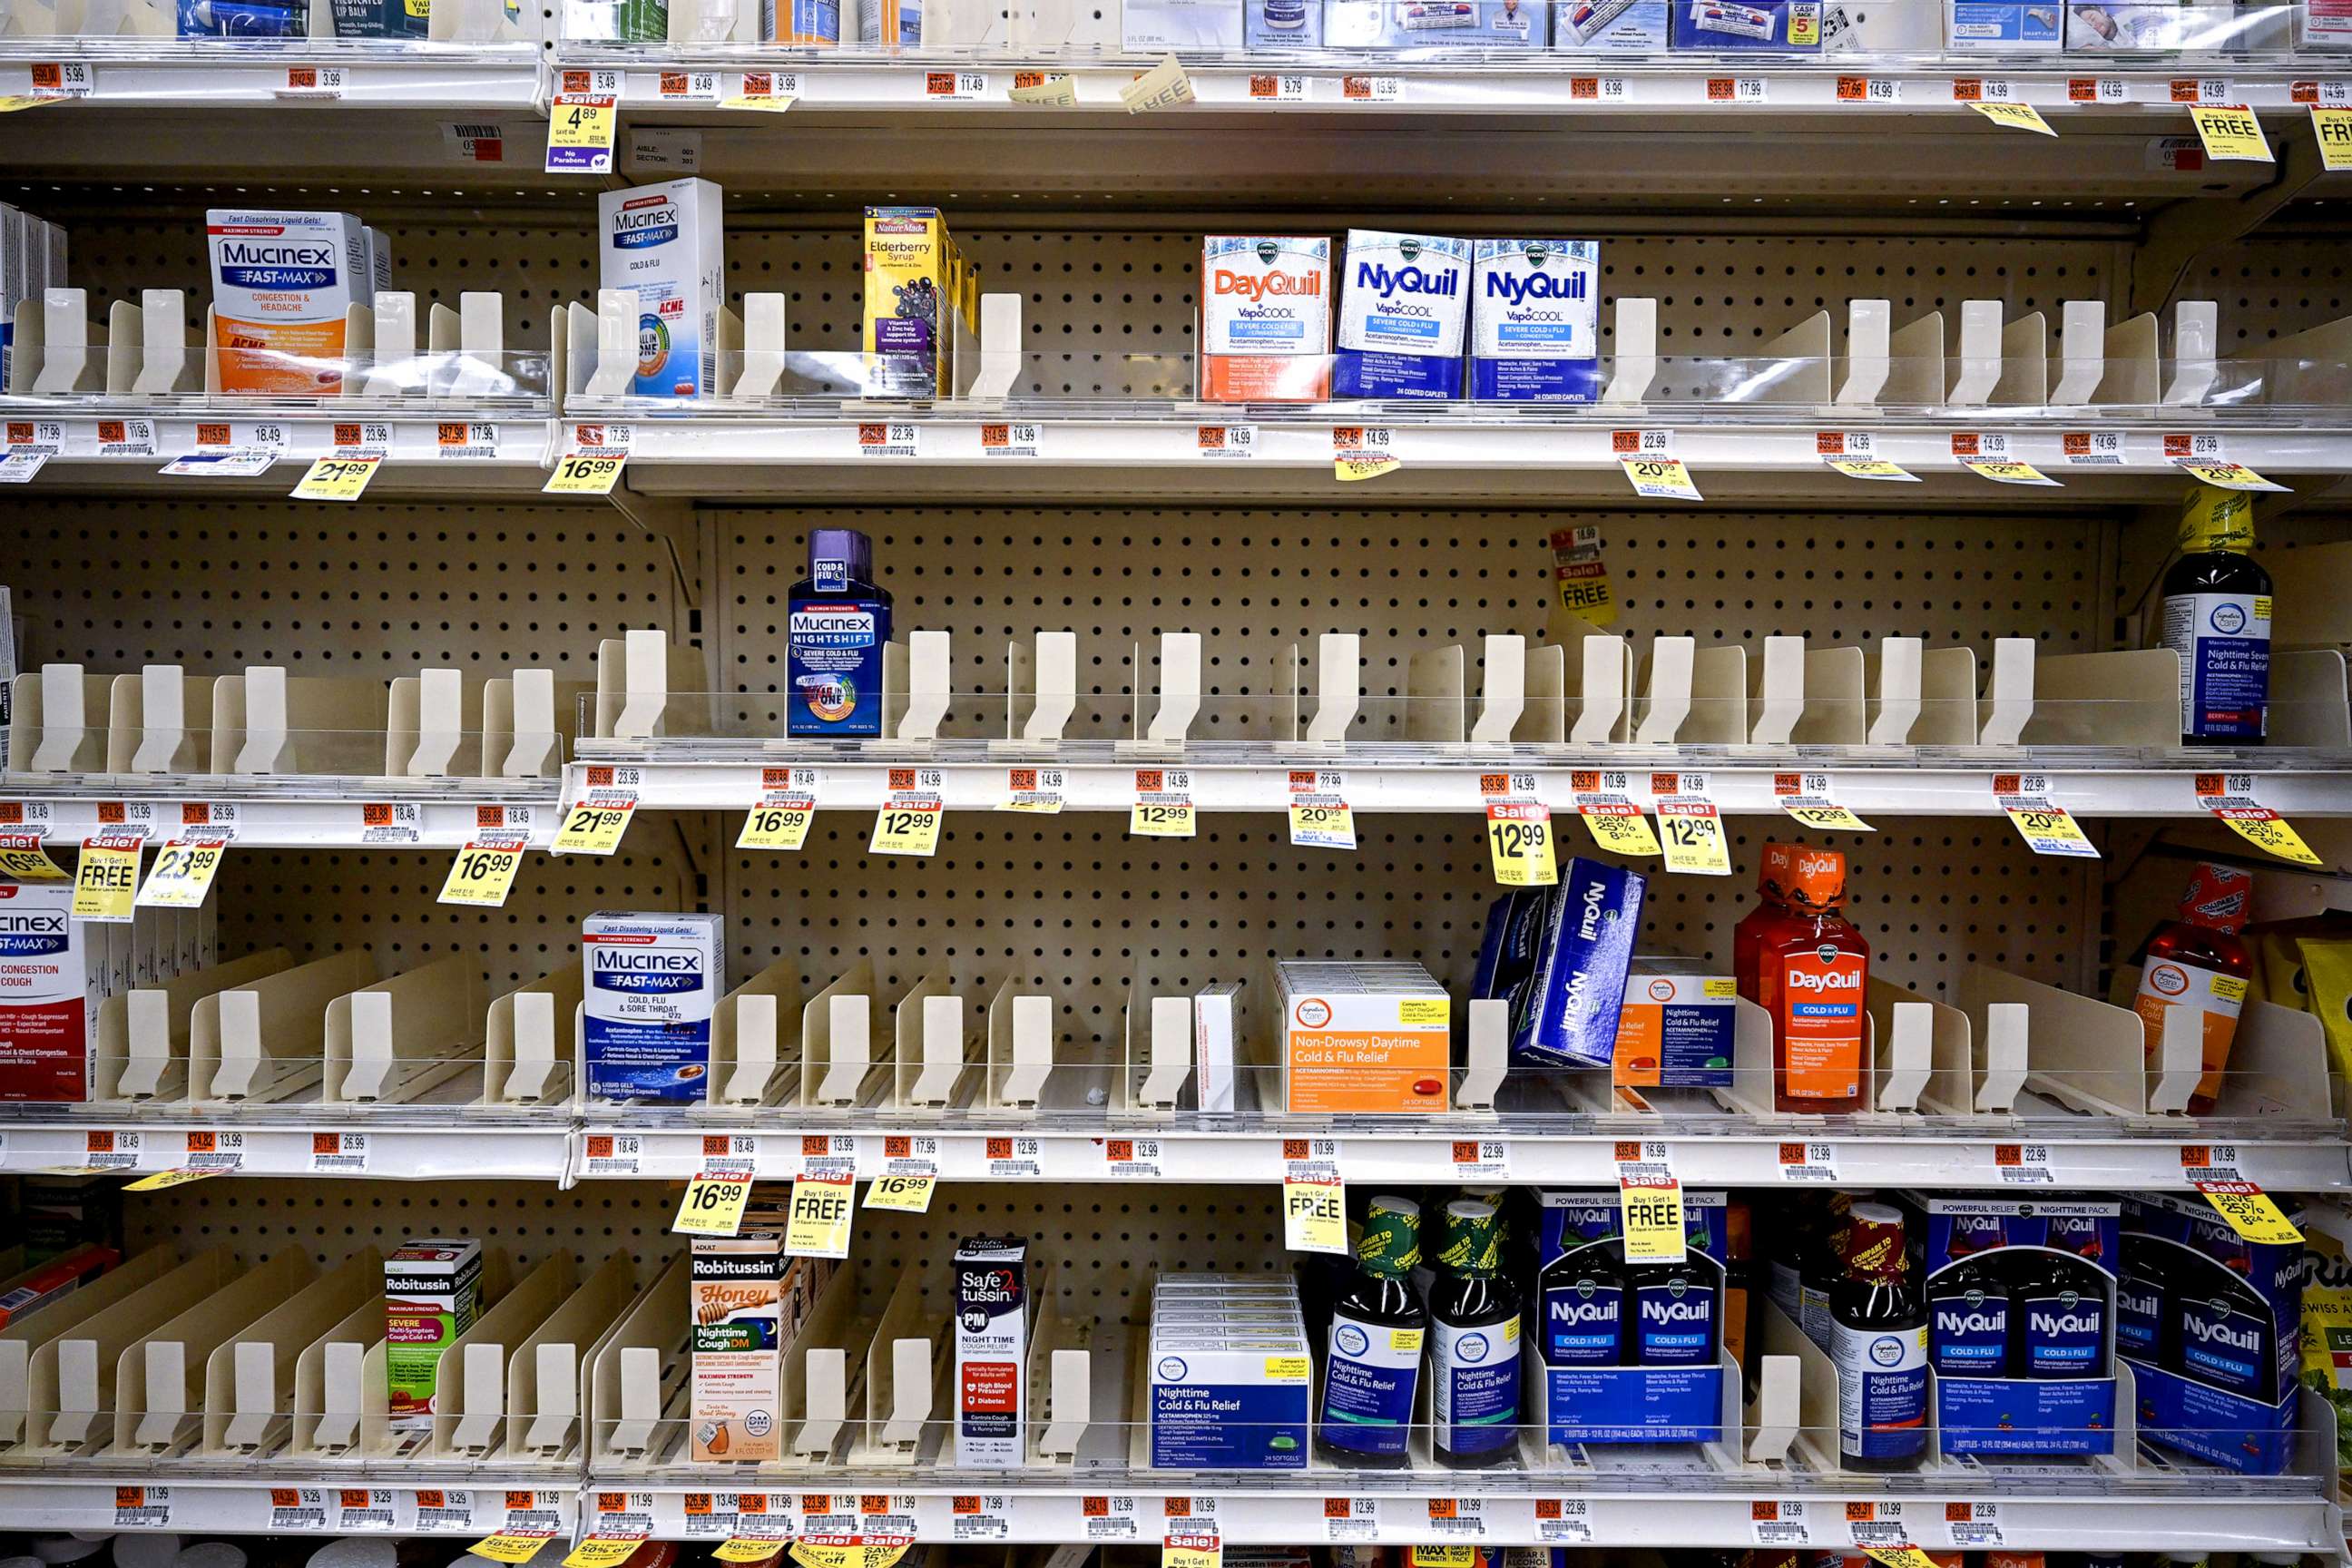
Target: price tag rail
[(287, 811), (398, 1143), (228, 75), (385, 1498), (122, 447)]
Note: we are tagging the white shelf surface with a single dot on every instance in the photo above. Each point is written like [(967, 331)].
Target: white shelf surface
[(126, 447), (398, 1144), (290, 73), (299, 1503), (281, 813)]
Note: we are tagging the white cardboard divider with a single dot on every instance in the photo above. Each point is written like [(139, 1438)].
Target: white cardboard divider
[(527, 1050), (2081, 353), (837, 1040), (1867, 329), (1718, 713), (1834, 708), (1433, 701), (2083, 1053), (1751, 1061), (915, 688), (2308, 698), (1503, 697), (1951, 1089), (2196, 348), (933, 1046), (902, 1375), (1486, 1055), (997, 366), (1606, 681), (236, 1036), (544, 1373), (429, 716), (2024, 363), (158, 1381), (1980, 366), (60, 722), (1159, 1058), (142, 1035), (249, 1380), (748, 1046), (2278, 1066), (763, 348), (395, 346), (64, 357), (2128, 698), (1910, 1032), (1179, 690), (532, 712), (1672, 665), (469, 1402), (1021, 1040), (265, 721), (1544, 722), (1804, 376), (164, 364), (2133, 377), (1892, 672), (636, 1367), (73, 1379), (1777, 691), (614, 364), (147, 722), (398, 1037), (1915, 364), (22, 1340), (2008, 703), (814, 1391), (1040, 680), (1338, 688), (1635, 364), (1947, 698)]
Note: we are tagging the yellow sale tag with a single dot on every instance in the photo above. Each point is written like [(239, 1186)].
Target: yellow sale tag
[(1872, 468), (883, 1554), (2269, 832), (22, 857), (908, 1194), (580, 142), (106, 881), (713, 1206), (1192, 1552), (1621, 831), (828, 1554), (779, 825), (1660, 479), (2019, 116), (580, 473), (1164, 86), (1161, 819), (2333, 127), (1314, 1217), (1518, 842), (1693, 832), (603, 1552), (2229, 477), (1899, 1556), (594, 826), (1047, 91), (2010, 472), (1320, 823), (2230, 132), (163, 1181), (18, 101), (748, 1548), (482, 875), (1653, 1210), (818, 1224), (907, 824), (338, 479), (181, 875), (1348, 467), (2050, 829), (2252, 1213), (510, 1546), (1444, 1556)]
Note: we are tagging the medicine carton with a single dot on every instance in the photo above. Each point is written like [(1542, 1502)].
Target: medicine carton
[(1611, 26), (431, 1294), (1232, 1397), (283, 287), (1567, 1015), (738, 1336), (2004, 25), (1782, 26), (668, 243), (1359, 1037), (1599, 1402), (1402, 306), (654, 982), (991, 1350), (1673, 1030), (1182, 24), (911, 290), (53, 975), (1282, 24), (1265, 319), (1535, 321)]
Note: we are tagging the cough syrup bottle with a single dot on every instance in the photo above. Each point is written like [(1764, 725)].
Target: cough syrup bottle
[(1879, 1341), (2198, 962), (1372, 1364), (1474, 1312), (839, 622), (2217, 618), (1812, 969)]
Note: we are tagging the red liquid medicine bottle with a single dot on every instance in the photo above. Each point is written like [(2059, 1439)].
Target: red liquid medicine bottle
[(2198, 962), (1804, 962)]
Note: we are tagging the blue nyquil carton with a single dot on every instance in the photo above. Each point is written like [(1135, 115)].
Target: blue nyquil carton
[(1403, 300), (1566, 1013)]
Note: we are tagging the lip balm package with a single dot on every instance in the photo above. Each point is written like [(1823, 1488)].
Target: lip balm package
[(1783, 26), (1611, 26)]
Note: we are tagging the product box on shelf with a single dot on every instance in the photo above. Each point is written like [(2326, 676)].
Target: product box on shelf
[(1611, 26), (2210, 1322), (668, 243), (2020, 1324), (738, 1336), (1629, 1354), (1282, 24), (283, 287), (1785, 27), (1437, 23), (1228, 1395), (53, 975), (2003, 26), (800, 24), (1404, 301), (1675, 1026), (2149, 28), (991, 1350), (431, 1294), (1566, 1016), (1184, 26), (654, 982), (1266, 318), (1363, 1036), (917, 287)]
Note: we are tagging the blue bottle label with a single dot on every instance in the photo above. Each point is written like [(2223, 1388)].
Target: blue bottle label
[(1676, 1324), (2224, 644), (2066, 1334), (2221, 1345), (1368, 1385), (1969, 1335), (1474, 1388), (1881, 1391), (1584, 1325), (834, 656)]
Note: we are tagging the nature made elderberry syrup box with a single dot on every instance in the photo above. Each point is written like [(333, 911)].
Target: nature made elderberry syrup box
[(991, 1350), (654, 982), (431, 1294)]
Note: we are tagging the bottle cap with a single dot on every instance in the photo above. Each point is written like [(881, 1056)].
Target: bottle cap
[(1816, 877), (2214, 519), (1391, 1243), (2219, 898), (1772, 872), (1737, 1244), (1471, 1246), (1874, 1241), (842, 544)]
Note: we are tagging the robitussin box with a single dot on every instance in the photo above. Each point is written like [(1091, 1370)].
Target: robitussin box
[(431, 1294), (2210, 1322)]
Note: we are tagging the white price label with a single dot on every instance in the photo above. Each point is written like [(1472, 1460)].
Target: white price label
[(1225, 443), (339, 1153), (1809, 1163), (2022, 1164), (1780, 1524), (1013, 441), (1136, 1157), (1015, 1157), (889, 438), (1482, 1159), (615, 1154), (1737, 90), (1277, 87), (312, 81), (688, 86), (954, 86)]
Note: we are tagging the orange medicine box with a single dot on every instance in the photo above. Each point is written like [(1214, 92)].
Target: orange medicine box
[(1265, 319), (1362, 1037)]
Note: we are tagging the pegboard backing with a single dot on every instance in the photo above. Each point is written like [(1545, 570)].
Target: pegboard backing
[(2272, 286)]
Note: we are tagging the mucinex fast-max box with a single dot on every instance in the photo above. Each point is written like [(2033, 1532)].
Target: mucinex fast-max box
[(1265, 319), (654, 982), (283, 287), (52, 978), (1402, 305), (667, 243)]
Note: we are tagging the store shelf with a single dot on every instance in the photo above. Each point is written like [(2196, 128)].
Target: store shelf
[(280, 813), (126, 448), (395, 1144), (144, 73), (106, 1497)]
